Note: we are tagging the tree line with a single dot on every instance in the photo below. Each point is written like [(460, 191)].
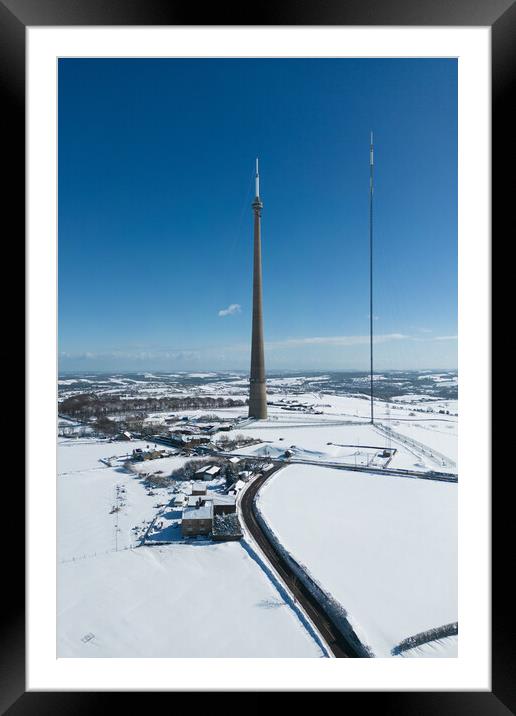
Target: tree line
[(86, 406)]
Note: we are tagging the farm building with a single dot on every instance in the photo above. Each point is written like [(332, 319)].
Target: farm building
[(155, 454), (207, 472), (197, 520), (198, 488), (212, 472), (223, 504)]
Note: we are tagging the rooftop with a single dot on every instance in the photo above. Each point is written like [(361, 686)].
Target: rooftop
[(202, 469), (198, 513), (213, 470)]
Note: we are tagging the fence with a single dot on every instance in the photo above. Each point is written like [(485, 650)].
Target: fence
[(420, 447)]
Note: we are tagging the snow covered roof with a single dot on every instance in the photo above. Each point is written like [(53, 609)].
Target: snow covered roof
[(202, 469), (235, 460), (198, 513), (223, 499), (212, 470)]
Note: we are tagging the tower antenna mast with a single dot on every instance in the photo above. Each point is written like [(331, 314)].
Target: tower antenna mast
[(257, 381), (371, 166)]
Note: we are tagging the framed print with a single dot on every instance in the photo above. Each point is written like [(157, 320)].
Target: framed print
[(258, 311)]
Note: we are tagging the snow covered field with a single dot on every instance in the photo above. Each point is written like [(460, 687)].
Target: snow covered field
[(180, 600), (176, 601), (352, 444), (441, 435), (384, 547)]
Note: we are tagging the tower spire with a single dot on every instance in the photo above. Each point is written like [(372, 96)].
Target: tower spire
[(371, 165), (257, 387)]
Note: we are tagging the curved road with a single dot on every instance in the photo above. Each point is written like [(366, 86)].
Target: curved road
[(338, 645)]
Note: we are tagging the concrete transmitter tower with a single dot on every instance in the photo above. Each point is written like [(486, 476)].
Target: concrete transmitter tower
[(257, 390)]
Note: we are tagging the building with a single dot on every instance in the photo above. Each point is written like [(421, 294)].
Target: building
[(179, 499), (126, 435), (198, 488), (197, 520), (237, 486), (257, 387), (267, 468), (188, 439), (223, 504), (211, 473), (207, 472), (140, 454)]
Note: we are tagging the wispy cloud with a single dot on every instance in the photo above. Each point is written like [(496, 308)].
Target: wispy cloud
[(230, 310), (335, 340), (136, 355), (445, 338)]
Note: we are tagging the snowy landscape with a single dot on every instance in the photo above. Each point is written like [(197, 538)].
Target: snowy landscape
[(367, 513)]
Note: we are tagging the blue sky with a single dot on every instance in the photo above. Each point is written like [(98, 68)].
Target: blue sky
[(156, 163)]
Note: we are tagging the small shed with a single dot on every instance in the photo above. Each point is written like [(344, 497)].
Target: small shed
[(198, 488), (179, 499), (267, 468)]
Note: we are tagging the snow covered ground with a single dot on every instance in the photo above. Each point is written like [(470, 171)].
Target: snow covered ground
[(352, 444), (441, 435), (338, 430), (384, 547), (181, 600), (176, 601)]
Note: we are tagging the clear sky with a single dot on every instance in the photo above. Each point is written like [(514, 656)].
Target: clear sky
[(156, 167)]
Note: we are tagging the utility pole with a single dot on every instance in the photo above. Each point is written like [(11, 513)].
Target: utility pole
[(371, 164)]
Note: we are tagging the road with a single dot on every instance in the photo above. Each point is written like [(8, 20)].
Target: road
[(339, 646), (395, 472)]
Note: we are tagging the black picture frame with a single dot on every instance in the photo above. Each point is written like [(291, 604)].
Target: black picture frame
[(500, 15)]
